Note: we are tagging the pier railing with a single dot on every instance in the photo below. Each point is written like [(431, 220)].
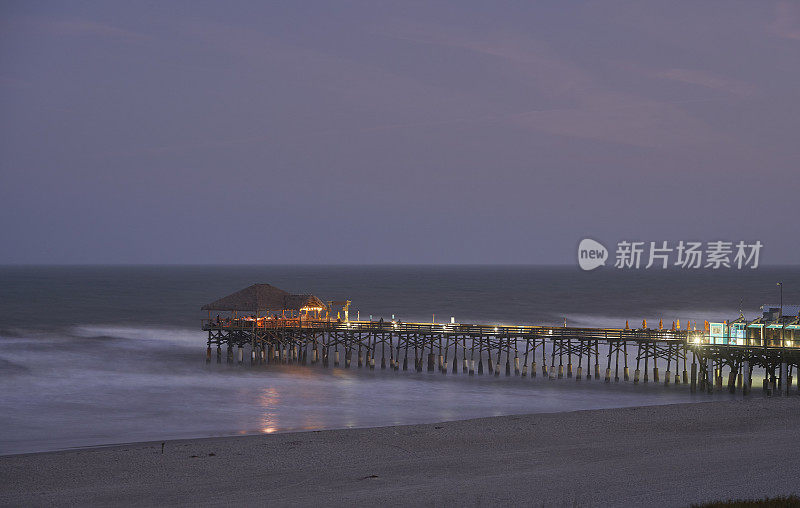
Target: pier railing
[(696, 338), (477, 330)]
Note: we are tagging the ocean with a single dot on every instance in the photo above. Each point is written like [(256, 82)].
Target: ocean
[(97, 355)]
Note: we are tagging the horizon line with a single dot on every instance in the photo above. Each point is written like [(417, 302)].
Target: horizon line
[(723, 270)]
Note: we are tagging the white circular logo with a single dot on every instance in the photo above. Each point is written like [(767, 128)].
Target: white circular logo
[(591, 254)]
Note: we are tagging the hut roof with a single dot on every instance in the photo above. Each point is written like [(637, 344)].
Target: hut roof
[(305, 301), (262, 297)]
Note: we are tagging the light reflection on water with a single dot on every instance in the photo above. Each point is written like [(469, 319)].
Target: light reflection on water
[(269, 401)]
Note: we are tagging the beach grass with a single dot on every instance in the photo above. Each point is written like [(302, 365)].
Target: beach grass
[(791, 501)]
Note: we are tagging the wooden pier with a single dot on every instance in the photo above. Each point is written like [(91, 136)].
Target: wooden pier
[(301, 329)]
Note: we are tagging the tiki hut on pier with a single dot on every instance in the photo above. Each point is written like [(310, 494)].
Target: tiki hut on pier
[(266, 301)]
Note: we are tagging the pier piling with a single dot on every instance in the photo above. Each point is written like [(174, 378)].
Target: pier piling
[(288, 342)]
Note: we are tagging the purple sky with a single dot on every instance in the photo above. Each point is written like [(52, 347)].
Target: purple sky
[(404, 132)]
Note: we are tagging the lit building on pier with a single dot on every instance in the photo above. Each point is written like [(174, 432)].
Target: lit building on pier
[(772, 328), (261, 302)]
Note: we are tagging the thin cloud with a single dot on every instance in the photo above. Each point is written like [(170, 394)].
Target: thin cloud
[(82, 27), (623, 120), (708, 80), (787, 21), (532, 60), (594, 111), (14, 83)]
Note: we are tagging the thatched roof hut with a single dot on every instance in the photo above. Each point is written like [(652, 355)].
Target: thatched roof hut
[(265, 297)]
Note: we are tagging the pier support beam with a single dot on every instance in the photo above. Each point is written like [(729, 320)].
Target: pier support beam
[(710, 375), (746, 378), (784, 378), (625, 374), (685, 374), (732, 380)]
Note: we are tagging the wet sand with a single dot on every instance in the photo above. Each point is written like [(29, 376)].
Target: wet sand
[(670, 455)]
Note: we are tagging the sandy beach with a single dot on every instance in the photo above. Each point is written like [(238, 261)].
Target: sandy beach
[(669, 455)]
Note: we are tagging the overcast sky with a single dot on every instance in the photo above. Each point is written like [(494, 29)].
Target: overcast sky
[(403, 132)]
